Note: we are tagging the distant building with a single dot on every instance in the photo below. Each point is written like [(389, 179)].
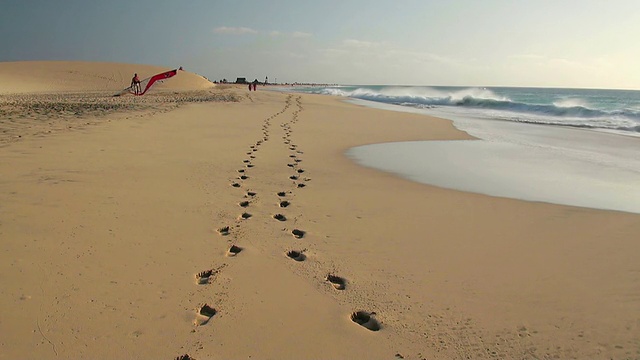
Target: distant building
[(241, 80)]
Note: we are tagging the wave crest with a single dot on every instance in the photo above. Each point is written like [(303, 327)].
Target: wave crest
[(480, 98)]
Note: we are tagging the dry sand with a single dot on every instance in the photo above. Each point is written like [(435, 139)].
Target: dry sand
[(104, 227)]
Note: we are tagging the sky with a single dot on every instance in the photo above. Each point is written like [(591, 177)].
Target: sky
[(557, 43)]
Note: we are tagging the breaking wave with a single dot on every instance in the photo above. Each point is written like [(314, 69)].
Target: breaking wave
[(574, 112)]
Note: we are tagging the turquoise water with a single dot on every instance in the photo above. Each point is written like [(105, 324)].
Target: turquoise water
[(609, 110)]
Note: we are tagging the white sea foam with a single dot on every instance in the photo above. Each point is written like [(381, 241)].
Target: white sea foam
[(559, 107), (571, 102)]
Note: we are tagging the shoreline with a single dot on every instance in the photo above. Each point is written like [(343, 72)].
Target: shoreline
[(608, 110), (93, 218), (590, 169)]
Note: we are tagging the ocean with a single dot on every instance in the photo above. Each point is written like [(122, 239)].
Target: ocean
[(608, 110), (578, 147)]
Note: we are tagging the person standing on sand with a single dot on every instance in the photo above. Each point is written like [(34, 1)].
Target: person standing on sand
[(135, 84)]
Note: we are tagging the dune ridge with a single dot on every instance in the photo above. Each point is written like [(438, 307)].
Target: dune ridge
[(38, 98), (81, 76)]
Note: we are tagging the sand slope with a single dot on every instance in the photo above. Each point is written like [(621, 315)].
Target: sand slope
[(78, 76), (43, 97)]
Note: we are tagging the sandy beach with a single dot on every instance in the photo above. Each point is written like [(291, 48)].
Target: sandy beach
[(110, 208)]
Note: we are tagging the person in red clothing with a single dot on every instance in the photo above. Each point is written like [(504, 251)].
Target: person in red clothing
[(135, 84)]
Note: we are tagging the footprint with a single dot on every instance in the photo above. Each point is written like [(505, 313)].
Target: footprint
[(245, 216), (291, 165), (250, 165), (300, 171), (298, 160), (243, 177), (284, 203), (282, 193), (224, 230), (279, 217), (246, 161), (296, 255), (293, 177), (205, 313), (250, 193), (337, 282), (364, 319), (301, 185), (203, 277), (241, 170), (292, 156), (234, 250), (298, 234), (185, 357), (244, 204)]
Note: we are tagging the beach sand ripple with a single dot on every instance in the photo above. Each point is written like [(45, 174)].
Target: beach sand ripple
[(27, 115)]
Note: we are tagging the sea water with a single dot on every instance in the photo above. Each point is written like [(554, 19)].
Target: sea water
[(566, 146), (608, 110)]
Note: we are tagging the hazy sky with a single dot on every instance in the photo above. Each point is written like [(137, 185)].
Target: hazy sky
[(559, 43)]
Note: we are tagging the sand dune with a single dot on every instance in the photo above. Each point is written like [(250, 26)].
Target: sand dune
[(42, 97), (80, 76)]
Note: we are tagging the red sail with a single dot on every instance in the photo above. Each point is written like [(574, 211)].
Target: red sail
[(149, 82)]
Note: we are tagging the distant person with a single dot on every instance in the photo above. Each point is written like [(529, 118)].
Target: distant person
[(249, 87), (135, 84)]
